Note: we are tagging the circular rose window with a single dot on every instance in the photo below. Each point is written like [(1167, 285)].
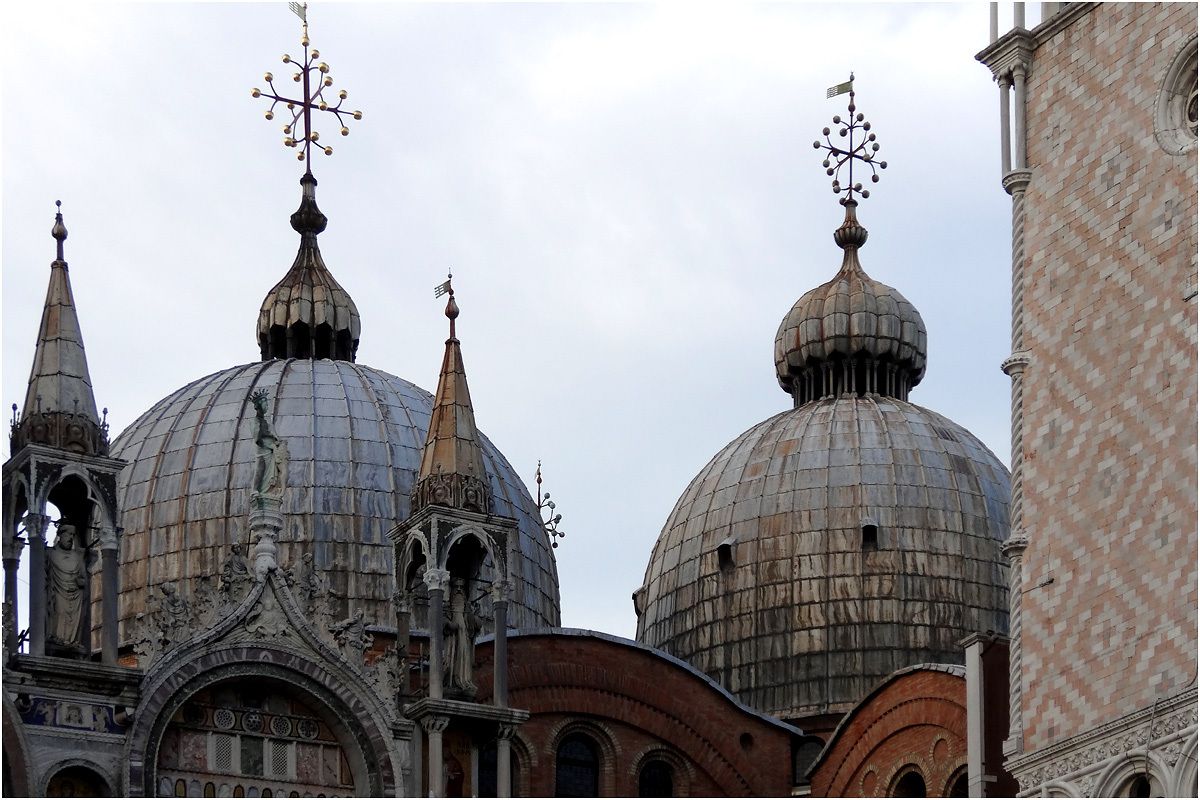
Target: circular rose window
[(1175, 112)]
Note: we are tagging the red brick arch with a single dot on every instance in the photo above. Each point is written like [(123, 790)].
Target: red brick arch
[(917, 718), (645, 701)]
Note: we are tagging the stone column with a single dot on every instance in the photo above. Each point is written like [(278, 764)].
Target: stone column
[(35, 532), (434, 726), (504, 760), (1005, 83), (12, 562), (109, 586), (436, 581), (975, 720), (500, 660), (266, 521), (1014, 366), (1019, 111)]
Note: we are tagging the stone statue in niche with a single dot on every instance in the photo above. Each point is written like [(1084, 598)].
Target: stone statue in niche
[(67, 582), (462, 624), (235, 574), (270, 469), (352, 637)]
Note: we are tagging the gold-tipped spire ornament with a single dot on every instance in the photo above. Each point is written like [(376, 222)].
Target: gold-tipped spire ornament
[(299, 132)]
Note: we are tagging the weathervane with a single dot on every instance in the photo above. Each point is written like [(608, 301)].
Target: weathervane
[(550, 520), (839, 157), (302, 109)]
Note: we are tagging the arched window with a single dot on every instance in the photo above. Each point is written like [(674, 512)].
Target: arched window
[(806, 752), (1142, 785), (577, 767), (656, 779), (77, 782), (911, 784)]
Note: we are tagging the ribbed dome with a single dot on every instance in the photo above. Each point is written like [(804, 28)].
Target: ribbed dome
[(827, 547), (851, 334), (354, 436), (308, 314)]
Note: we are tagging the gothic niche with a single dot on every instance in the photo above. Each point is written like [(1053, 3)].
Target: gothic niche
[(252, 738), (462, 622), (70, 557)]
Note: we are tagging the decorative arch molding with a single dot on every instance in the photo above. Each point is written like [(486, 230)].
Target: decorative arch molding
[(1183, 779), (295, 655), (598, 732), (527, 763), (1062, 789), (366, 742), (685, 776), (112, 783), (1113, 778), (911, 768), (16, 751), (103, 500), (1176, 96), (464, 531)]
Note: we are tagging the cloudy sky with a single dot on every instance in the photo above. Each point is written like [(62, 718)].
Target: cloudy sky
[(628, 196)]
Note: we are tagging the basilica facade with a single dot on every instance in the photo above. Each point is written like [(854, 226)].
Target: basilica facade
[(303, 576)]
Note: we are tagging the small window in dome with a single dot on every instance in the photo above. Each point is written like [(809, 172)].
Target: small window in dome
[(870, 535), (725, 555)]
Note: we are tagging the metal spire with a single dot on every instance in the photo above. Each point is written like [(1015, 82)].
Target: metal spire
[(839, 157), (310, 101)]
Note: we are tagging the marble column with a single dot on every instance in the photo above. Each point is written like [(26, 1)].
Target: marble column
[(1005, 83), (436, 581), (12, 562), (109, 589), (35, 533), (504, 760), (500, 661), (434, 726), (1019, 112)]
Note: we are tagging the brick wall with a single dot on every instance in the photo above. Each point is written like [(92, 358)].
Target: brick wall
[(915, 720), (635, 703), (1109, 603)]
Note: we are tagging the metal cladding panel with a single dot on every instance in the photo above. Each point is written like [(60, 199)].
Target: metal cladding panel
[(807, 619), (354, 436)]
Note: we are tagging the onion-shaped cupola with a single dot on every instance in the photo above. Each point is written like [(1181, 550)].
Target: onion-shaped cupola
[(308, 314), (852, 334)]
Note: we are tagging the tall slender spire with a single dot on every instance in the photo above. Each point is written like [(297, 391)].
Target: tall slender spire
[(452, 472), (60, 408)]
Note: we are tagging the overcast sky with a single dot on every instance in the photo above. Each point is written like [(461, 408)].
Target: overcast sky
[(628, 196)]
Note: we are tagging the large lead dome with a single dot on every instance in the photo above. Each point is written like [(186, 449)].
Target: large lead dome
[(839, 541), (354, 437)]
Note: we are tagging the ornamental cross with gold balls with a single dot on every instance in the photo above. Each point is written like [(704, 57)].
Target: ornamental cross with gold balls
[(310, 72)]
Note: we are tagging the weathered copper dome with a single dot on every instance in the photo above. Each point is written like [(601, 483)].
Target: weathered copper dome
[(852, 334)]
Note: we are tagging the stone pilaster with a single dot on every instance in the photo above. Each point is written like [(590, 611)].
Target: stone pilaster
[(35, 532), (109, 591)]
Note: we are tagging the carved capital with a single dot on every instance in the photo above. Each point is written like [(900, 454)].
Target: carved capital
[(402, 601), (1016, 181), (1014, 366), (1014, 547), (12, 548), (434, 724), (437, 580), (500, 590), (35, 527), (108, 538), (505, 731)]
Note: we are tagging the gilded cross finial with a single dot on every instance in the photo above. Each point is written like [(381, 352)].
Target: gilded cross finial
[(311, 71), (838, 157)]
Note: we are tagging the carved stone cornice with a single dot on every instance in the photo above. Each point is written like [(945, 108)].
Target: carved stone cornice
[(1155, 728), (1010, 50)]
